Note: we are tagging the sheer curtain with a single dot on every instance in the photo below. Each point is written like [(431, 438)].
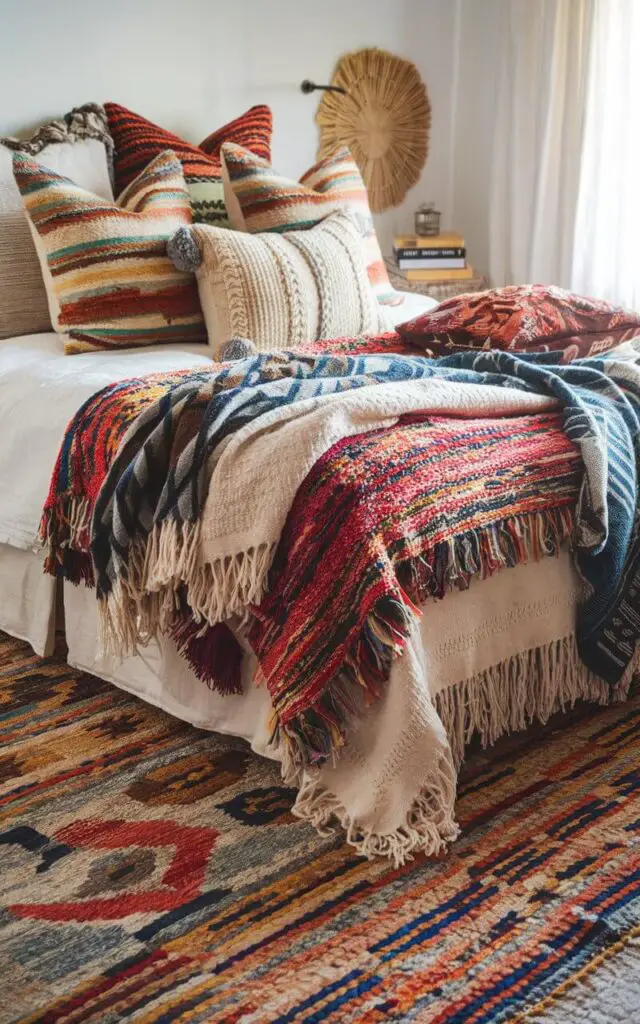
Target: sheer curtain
[(537, 139), (606, 260)]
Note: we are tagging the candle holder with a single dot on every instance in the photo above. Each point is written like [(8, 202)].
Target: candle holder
[(427, 220)]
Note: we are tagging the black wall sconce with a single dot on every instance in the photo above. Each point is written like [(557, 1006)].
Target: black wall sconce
[(308, 87)]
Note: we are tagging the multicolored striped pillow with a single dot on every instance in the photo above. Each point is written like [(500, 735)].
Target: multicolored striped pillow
[(109, 281), (260, 199), (78, 145), (138, 141)]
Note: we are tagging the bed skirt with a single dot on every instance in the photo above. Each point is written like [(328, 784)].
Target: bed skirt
[(484, 661)]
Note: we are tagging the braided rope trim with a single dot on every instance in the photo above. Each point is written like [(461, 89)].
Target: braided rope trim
[(86, 122)]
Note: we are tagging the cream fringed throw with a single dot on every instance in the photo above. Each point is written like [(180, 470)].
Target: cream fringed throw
[(487, 661), (282, 290)]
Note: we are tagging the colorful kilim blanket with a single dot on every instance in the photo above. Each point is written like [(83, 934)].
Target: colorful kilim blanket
[(162, 468), (399, 515), (87, 453)]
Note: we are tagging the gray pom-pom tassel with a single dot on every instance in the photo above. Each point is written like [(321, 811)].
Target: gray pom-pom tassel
[(184, 251), (236, 348)]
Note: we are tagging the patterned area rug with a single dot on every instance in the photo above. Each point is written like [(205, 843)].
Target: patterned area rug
[(152, 872)]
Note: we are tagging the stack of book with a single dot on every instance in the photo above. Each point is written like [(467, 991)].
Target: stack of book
[(435, 258)]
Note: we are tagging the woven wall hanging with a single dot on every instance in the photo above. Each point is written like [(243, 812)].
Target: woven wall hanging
[(383, 118)]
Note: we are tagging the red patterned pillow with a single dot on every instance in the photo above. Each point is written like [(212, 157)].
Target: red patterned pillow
[(137, 142), (523, 318), (254, 127)]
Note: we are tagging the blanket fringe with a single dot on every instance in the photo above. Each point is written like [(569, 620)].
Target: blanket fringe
[(143, 600), (321, 728), (230, 585), (504, 698), (528, 687), (429, 825), (63, 536), (125, 625), (213, 652)]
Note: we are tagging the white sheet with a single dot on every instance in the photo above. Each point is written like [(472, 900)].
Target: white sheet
[(413, 305), (41, 389), (27, 599)]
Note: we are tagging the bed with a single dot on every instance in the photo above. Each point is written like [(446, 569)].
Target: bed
[(500, 624), (262, 533)]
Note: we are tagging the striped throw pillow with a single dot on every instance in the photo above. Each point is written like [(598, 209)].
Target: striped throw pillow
[(78, 145), (138, 141), (109, 281), (258, 198)]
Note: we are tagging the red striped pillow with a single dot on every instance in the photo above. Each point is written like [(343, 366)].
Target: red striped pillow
[(255, 127), (138, 141)]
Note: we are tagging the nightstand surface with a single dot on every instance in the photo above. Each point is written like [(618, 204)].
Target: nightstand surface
[(439, 290)]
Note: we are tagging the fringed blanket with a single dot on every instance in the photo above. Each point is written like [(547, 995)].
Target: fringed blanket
[(180, 528), (185, 523), (383, 522)]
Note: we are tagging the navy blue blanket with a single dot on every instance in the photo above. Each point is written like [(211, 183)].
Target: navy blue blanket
[(601, 400)]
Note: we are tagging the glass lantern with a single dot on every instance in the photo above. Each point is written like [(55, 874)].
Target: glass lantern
[(427, 220)]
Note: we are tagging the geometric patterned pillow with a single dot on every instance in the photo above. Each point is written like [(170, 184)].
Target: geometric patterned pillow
[(259, 199), (109, 281), (523, 318), (138, 141)]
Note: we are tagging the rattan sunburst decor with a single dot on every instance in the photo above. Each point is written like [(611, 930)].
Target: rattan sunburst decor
[(383, 117)]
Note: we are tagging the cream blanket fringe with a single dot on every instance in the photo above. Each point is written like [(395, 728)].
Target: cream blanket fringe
[(526, 688), (429, 824), (507, 697)]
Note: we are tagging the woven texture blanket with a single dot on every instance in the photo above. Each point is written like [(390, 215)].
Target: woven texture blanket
[(146, 518), (384, 521), (156, 487), (94, 435)]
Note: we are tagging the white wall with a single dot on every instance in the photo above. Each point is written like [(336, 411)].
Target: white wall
[(194, 64), (479, 40)]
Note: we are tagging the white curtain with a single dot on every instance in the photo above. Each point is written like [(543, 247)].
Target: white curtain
[(537, 141), (606, 260)]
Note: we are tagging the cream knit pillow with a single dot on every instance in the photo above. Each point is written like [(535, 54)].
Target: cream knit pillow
[(281, 290)]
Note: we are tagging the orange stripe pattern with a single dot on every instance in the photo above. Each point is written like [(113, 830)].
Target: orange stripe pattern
[(268, 201), (109, 280)]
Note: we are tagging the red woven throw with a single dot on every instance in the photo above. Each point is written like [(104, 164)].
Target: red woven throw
[(382, 522)]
